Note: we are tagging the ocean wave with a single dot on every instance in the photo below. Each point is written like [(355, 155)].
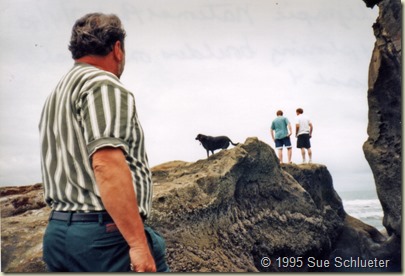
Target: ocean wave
[(370, 215), (366, 210), (362, 202)]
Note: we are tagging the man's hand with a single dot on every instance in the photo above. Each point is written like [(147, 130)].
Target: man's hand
[(142, 260)]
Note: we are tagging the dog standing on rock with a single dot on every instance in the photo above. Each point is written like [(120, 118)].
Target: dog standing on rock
[(211, 143)]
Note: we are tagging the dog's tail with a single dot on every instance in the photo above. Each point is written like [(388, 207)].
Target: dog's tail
[(233, 143)]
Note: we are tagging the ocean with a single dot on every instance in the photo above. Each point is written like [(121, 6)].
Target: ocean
[(363, 205)]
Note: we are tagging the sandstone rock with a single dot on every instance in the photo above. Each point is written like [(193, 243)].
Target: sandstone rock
[(225, 213), (358, 239), (317, 181), (23, 220), (383, 147), (220, 214), (17, 200)]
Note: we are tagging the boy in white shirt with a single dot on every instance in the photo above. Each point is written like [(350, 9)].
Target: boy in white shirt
[(303, 130)]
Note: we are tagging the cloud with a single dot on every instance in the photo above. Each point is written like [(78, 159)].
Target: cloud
[(218, 68)]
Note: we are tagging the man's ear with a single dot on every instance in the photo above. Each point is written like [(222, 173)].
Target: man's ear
[(118, 52)]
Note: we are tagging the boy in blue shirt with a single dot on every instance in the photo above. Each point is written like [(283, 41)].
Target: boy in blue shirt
[(281, 132)]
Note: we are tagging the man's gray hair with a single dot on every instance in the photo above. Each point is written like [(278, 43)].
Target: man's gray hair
[(96, 34)]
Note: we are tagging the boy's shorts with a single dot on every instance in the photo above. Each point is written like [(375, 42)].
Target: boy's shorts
[(303, 141), (283, 142)]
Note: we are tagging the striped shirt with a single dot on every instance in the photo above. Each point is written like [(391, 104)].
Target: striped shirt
[(88, 110)]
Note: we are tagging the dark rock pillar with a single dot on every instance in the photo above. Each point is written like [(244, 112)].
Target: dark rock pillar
[(383, 147)]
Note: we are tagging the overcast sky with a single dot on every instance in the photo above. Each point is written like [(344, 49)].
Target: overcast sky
[(212, 67)]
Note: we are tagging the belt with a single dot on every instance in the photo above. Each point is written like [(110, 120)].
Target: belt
[(80, 217)]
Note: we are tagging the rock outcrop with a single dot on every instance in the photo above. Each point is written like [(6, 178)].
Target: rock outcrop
[(356, 239), (23, 220), (383, 147), (223, 214), (226, 213)]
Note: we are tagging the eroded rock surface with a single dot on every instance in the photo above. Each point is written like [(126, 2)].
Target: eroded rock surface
[(228, 212), (383, 147), (221, 214)]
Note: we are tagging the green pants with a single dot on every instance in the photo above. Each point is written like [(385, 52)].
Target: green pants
[(94, 247)]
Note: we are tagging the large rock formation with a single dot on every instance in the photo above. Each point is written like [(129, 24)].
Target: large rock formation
[(225, 213), (383, 147), (228, 212), (356, 238)]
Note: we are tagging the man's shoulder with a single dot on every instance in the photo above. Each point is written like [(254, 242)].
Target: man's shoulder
[(91, 72), (94, 77)]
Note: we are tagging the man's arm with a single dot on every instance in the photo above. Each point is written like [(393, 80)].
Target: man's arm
[(310, 129), (297, 128), (117, 193)]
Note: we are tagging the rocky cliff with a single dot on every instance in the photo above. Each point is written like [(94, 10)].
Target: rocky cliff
[(356, 238), (383, 147), (228, 212), (225, 214)]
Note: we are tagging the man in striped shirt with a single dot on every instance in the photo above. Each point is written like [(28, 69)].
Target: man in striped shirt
[(94, 165)]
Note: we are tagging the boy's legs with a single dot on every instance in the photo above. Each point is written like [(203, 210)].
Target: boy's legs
[(287, 144), (309, 154), (280, 155), (303, 155)]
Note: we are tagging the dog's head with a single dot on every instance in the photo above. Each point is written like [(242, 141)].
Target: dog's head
[(200, 137)]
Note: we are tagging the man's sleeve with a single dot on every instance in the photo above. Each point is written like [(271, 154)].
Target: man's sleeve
[(107, 117)]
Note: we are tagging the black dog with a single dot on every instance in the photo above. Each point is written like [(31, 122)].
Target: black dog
[(213, 143)]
